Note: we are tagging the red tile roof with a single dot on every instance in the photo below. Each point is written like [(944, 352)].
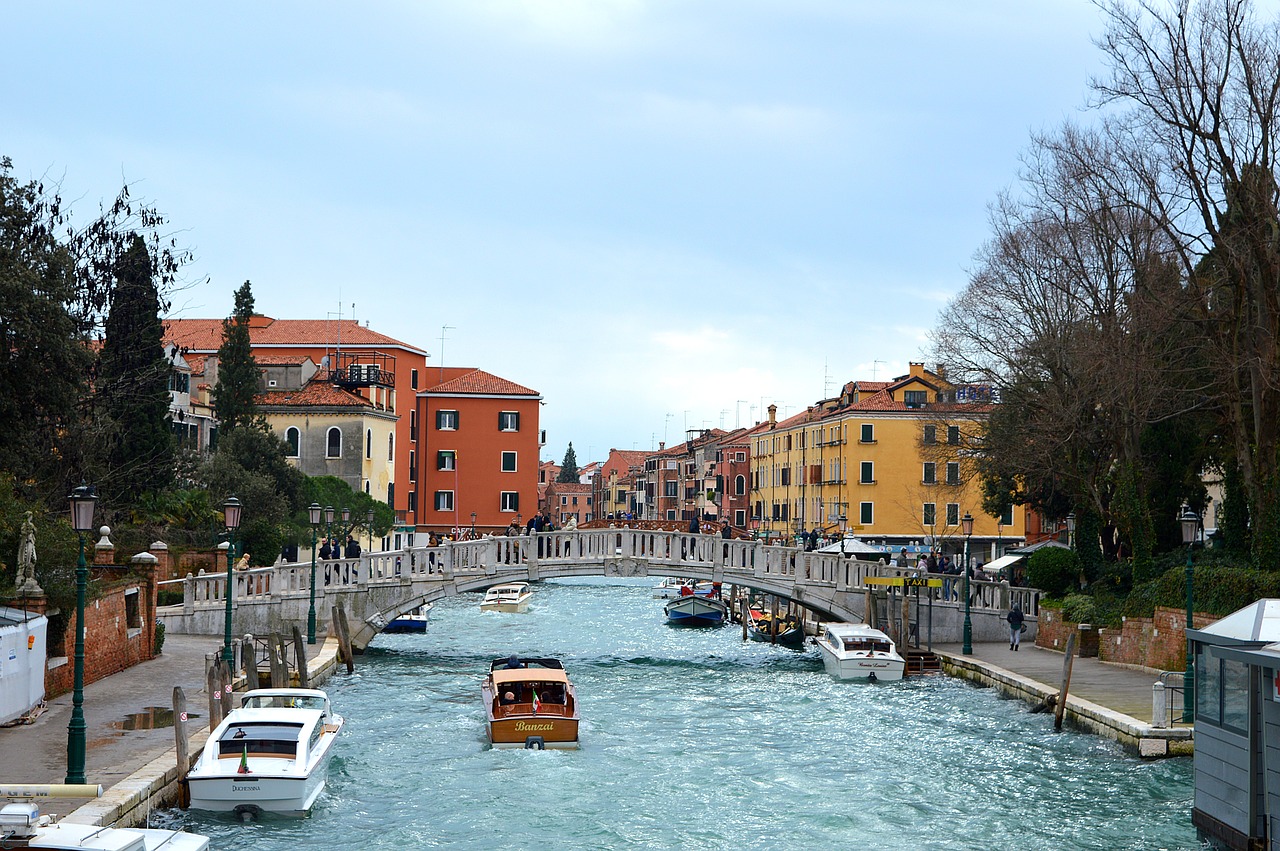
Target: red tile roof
[(481, 383), (621, 461), (279, 360), (205, 335), (571, 487), (315, 393)]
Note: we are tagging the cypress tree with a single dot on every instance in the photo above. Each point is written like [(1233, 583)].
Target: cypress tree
[(133, 382), (568, 467), (237, 370)]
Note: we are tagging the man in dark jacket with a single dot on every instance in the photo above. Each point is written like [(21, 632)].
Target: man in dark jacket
[(1015, 626)]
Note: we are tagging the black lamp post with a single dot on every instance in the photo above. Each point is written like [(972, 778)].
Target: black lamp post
[(1190, 523), (231, 517), (368, 525), (346, 521), (328, 530), (82, 500), (966, 526), (313, 516), (473, 525)]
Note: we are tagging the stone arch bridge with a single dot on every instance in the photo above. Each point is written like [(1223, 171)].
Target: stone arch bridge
[(376, 587)]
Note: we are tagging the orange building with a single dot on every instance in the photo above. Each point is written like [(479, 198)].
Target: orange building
[(476, 463), (374, 366)]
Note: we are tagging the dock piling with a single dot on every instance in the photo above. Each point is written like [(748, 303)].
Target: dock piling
[(1066, 680)]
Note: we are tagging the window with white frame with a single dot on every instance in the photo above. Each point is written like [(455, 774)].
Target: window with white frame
[(740, 485), (868, 433), (333, 443), (446, 459), (930, 474), (446, 420), (510, 501), (293, 437), (867, 476), (930, 515), (953, 514), (508, 462), (508, 421), (953, 472), (413, 465), (865, 513), (444, 500), (953, 435), (740, 517)]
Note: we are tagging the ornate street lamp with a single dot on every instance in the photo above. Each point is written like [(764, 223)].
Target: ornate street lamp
[(231, 517), (313, 516), (82, 501), (1190, 523), (966, 526), (368, 525)]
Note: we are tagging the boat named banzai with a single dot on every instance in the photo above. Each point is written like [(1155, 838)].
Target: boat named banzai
[(853, 651), (530, 703), (270, 755)]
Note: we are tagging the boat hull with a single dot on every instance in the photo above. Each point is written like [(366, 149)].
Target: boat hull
[(283, 795), (695, 611), (510, 608), (885, 668), (411, 623), (518, 731), (793, 636)]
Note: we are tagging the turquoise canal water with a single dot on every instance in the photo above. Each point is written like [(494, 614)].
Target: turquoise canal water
[(693, 737)]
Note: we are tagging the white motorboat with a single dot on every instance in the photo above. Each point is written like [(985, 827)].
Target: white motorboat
[(270, 755), (855, 651), (22, 826), (511, 597), (668, 588)]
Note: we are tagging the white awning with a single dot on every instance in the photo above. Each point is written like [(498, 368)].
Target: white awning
[(1001, 563)]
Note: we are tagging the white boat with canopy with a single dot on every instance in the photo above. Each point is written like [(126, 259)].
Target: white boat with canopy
[(855, 651)]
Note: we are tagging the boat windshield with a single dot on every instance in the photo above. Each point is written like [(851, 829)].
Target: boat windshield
[(283, 701), (260, 740)]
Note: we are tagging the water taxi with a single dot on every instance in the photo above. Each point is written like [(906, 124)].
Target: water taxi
[(270, 755), (696, 610), (509, 597), (530, 703), (411, 621), (853, 651), (22, 825)]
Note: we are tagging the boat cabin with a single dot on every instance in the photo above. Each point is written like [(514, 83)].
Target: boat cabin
[(515, 683), (264, 739), (286, 699)]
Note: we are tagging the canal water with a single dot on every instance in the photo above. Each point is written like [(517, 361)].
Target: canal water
[(693, 737)]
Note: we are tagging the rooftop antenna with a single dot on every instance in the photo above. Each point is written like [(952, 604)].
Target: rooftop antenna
[(443, 329), (664, 427), (873, 368), (826, 379), (737, 412), (339, 314)]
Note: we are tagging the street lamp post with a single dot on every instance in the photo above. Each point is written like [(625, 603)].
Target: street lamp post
[(231, 517), (346, 521), (473, 525), (368, 525), (966, 526), (1190, 522), (82, 501), (328, 530), (313, 516)]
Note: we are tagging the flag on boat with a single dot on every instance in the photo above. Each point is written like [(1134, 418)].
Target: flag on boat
[(244, 762), (536, 703)]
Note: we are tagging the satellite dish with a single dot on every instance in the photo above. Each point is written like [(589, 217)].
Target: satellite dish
[(324, 362)]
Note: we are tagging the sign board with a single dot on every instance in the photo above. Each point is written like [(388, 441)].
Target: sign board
[(903, 581)]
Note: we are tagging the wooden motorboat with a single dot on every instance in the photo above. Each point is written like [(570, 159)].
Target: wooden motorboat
[(510, 597), (530, 703), (852, 651), (696, 610), (22, 826), (412, 621), (270, 755)]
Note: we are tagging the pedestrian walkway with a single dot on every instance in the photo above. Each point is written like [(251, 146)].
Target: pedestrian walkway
[(120, 737), (1108, 699)]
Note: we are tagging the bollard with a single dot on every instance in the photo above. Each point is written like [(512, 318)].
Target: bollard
[(1159, 706)]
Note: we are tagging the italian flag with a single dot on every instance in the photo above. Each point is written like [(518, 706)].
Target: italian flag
[(244, 762), (536, 703)]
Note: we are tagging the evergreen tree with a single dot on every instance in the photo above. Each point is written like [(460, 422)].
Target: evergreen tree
[(237, 371), (133, 385), (569, 466)]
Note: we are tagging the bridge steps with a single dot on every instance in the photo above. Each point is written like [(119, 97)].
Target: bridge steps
[(922, 662)]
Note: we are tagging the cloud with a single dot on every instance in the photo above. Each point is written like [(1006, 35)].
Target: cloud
[(710, 120)]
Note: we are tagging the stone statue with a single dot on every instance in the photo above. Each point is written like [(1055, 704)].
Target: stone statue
[(26, 579)]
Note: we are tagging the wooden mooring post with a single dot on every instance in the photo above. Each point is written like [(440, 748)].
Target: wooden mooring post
[(181, 746), (250, 655), (1066, 681), (300, 653), (344, 637), (213, 686)]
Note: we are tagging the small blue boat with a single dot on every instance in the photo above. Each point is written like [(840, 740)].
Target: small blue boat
[(693, 610), (414, 621)]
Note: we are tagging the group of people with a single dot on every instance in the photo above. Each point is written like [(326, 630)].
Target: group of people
[(335, 548)]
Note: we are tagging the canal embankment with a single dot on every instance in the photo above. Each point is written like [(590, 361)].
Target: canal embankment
[(1107, 700)]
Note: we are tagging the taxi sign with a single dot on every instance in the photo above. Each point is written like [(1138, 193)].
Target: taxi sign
[(903, 581)]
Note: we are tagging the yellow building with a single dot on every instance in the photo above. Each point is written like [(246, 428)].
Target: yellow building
[(887, 461)]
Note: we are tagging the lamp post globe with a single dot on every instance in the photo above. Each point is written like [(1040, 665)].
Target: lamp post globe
[(313, 517), (231, 518), (1190, 524), (82, 501), (966, 526)]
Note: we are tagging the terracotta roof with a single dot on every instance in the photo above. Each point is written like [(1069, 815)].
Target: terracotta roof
[(206, 334), (280, 360), (196, 362), (570, 487), (315, 393), (621, 461), (482, 383), (884, 401)]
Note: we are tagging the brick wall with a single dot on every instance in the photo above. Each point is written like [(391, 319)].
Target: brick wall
[(1157, 642), (110, 645)]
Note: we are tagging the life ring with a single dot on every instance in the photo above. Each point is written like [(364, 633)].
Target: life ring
[(534, 743)]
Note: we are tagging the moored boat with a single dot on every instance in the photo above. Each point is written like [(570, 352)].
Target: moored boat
[(696, 610), (784, 629), (411, 621), (852, 651), (22, 826), (511, 597), (530, 703), (270, 755)]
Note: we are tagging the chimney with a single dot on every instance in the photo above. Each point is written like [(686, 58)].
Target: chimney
[(662, 444), (773, 415)]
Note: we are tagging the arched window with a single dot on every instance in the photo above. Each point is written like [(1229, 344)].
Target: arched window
[(292, 437), (368, 443), (333, 445), (740, 485)]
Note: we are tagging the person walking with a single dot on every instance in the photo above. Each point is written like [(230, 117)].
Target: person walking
[(1015, 626)]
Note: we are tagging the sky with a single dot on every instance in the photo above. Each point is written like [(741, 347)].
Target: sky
[(661, 216)]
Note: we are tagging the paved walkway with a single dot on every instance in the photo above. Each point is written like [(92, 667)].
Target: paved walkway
[(37, 752)]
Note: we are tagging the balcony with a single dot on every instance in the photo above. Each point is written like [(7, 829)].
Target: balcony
[(361, 369)]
